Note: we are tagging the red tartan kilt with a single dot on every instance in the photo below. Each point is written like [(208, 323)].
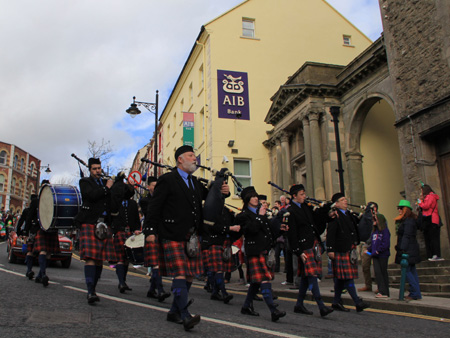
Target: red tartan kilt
[(93, 248), (215, 258), (310, 268), (205, 260), (177, 261), (343, 268), (119, 246), (46, 241), (257, 269), (152, 254)]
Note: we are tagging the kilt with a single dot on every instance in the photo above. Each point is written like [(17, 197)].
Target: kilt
[(205, 260), (309, 268), (46, 241), (119, 246), (93, 248), (153, 254), (257, 269), (215, 258), (177, 261), (343, 268)]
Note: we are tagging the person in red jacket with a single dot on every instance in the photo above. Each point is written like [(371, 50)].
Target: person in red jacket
[(428, 202)]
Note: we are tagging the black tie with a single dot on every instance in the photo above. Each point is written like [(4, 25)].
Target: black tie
[(191, 187), (99, 182)]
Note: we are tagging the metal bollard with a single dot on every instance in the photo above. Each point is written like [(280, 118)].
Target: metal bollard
[(404, 264)]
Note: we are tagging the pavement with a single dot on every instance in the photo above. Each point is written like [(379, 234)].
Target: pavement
[(428, 306)]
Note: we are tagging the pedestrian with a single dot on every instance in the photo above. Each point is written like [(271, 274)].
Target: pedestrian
[(407, 244)]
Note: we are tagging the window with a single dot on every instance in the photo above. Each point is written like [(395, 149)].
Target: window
[(19, 192), (22, 164), (248, 28), (191, 94), (2, 183), (242, 171), (16, 160), (347, 40), (3, 157), (13, 186), (31, 169)]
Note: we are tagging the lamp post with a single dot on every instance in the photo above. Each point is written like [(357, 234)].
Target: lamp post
[(38, 177), (152, 108), (334, 110)]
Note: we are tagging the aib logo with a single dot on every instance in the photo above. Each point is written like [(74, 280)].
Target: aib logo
[(233, 94)]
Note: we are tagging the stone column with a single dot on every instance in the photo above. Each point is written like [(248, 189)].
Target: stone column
[(308, 157), (279, 175), (316, 152), (286, 161), (355, 177)]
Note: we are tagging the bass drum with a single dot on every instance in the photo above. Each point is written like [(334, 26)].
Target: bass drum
[(58, 206), (134, 249)]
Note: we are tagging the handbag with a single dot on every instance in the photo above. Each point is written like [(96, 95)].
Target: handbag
[(192, 247)]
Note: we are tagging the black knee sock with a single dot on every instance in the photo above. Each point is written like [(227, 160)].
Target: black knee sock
[(98, 274), (266, 290), (120, 272), (251, 293), (29, 260), (302, 291), (89, 275), (180, 298), (42, 265), (220, 285), (350, 286)]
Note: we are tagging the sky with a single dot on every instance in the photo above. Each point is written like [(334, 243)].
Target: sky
[(69, 70)]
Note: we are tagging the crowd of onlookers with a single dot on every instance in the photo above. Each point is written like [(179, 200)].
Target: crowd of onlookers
[(8, 220)]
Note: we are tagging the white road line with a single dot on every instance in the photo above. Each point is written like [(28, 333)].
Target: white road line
[(206, 319)]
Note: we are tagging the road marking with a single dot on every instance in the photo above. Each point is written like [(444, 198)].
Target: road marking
[(206, 319)]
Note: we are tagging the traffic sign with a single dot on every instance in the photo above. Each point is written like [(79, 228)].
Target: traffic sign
[(135, 177)]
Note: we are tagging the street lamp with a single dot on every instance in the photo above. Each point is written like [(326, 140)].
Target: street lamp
[(152, 108), (47, 170)]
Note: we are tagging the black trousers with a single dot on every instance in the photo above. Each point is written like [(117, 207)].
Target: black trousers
[(432, 236), (380, 266)]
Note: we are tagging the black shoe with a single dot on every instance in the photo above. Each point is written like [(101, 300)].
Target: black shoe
[(92, 298), (325, 311), (302, 309), (249, 311), (361, 306), (207, 288), (122, 288), (277, 314), (127, 287), (227, 298), (216, 296), (30, 275), (163, 296), (174, 317), (274, 297), (339, 307), (45, 281), (190, 322), (152, 294), (38, 279)]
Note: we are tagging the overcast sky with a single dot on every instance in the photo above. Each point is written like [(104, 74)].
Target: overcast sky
[(69, 69)]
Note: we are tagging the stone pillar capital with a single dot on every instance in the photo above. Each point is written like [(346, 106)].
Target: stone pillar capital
[(353, 156), (284, 136), (314, 116), (305, 121)]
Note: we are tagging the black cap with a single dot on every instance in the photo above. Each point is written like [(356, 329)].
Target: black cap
[(92, 161), (182, 150), (296, 188), (151, 179), (337, 196), (248, 192), (262, 197)]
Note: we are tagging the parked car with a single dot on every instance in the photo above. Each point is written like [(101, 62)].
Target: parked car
[(17, 251)]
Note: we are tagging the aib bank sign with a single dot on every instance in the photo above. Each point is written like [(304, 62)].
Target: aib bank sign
[(233, 95)]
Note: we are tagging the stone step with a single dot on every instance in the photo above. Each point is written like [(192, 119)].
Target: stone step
[(427, 287), (422, 271), (425, 263), (433, 279)]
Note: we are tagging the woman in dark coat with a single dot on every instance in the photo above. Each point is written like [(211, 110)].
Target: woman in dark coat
[(407, 243)]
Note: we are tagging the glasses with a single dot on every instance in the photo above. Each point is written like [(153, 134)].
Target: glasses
[(399, 208)]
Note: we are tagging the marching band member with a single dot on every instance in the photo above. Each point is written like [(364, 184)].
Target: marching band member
[(342, 239), (304, 232), (259, 238), (96, 246), (153, 255)]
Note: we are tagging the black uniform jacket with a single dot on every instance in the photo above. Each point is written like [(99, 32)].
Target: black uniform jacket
[(174, 210), (96, 200), (305, 227), (31, 223), (342, 233), (128, 217), (220, 231), (258, 232), (21, 221)]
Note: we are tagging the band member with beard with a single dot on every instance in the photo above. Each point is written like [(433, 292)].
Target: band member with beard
[(259, 238), (40, 242), (175, 215), (342, 239), (219, 256), (95, 245), (305, 227), (153, 254), (125, 224)]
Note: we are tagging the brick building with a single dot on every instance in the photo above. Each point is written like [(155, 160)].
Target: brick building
[(19, 177)]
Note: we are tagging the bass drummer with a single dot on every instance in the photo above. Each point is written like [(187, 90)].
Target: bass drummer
[(95, 245)]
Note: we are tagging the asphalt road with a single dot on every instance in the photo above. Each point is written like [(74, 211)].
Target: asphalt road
[(28, 309)]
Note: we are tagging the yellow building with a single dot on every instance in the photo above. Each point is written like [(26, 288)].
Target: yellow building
[(238, 61)]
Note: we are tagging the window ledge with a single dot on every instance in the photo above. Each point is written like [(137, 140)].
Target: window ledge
[(249, 38), (353, 46)]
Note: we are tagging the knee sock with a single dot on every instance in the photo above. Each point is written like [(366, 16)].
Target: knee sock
[(314, 287), (188, 286), (302, 291), (266, 290), (154, 279), (251, 293), (180, 297), (98, 274), (120, 272), (89, 275), (125, 269), (29, 261), (219, 284), (350, 286), (210, 279), (338, 287), (42, 265)]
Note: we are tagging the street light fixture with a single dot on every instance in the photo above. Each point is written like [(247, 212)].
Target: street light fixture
[(47, 170), (152, 108)]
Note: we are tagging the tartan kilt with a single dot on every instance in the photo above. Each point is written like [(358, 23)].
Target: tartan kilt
[(119, 246), (215, 258), (205, 260), (343, 268), (257, 269), (93, 248), (46, 241), (309, 268), (153, 254), (177, 261)]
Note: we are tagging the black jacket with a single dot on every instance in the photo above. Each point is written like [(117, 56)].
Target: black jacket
[(96, 201), (304, 227), (407, 242), (21, 221), (128, 217), (31, 222), (342, 233), (174, 210), (220, 231)]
